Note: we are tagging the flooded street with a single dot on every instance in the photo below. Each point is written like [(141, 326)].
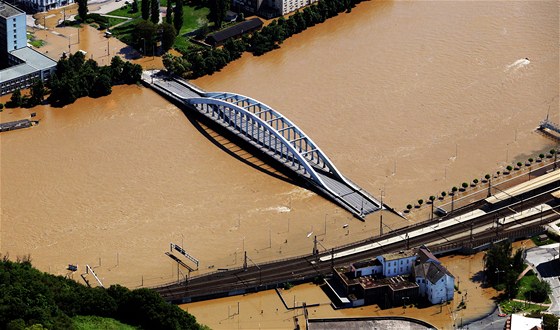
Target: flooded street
[(407, 97)]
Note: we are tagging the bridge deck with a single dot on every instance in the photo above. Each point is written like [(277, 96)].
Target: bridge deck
[(352, 198)]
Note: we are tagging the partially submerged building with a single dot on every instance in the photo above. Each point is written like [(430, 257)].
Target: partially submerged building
[(393, 279), (20, 65)]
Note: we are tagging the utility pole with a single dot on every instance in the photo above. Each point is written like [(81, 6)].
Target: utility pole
[(315, 250), (381, 216)]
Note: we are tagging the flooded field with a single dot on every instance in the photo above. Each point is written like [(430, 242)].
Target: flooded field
[(409, 98)]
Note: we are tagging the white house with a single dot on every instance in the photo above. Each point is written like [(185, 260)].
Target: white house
[(398, 263), (435, 282)]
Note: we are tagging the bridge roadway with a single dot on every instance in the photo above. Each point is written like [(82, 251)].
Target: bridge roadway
[(270, 132), (305, 268)]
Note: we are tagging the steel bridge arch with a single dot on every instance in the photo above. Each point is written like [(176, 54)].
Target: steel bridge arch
[(250, 117), (252, 112)]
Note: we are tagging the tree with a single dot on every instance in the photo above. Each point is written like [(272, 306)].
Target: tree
[(15, 99), (178, 16), (541, 156), (167, 36), (443, 194), (82, 9), (464, 185), (519, 164), (475, 181), (509, 168), (218, 10), (37, 92), (169, 12), (497, 262), (409, 207), (154, 16), (142, 35), (487, 177), (145, 7), (102, 86), (134, 6), (454, 190), (420, 202), (539, 291)]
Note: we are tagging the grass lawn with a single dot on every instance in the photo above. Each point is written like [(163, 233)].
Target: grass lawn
[(193, 18), (34, 42), (124, 32), (114, 21), (537, 242), (124, 11), (510, 307), (525, 286), (96, 322)]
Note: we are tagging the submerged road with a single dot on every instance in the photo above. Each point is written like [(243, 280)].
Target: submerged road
[(305, 268)]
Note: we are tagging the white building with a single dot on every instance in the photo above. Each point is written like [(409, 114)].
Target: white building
[(276, 7), (434, 281), (45, 5), (520, 322), (398, 263)]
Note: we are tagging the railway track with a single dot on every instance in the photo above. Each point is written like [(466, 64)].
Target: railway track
[(304, 268)]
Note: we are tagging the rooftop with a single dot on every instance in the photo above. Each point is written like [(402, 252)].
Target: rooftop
[(236, 30), (34, 61), (399, 255), (6, 10), (395, 283), (366, 263)]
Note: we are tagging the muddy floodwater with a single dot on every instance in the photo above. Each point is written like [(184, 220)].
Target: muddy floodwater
[(406, 97)]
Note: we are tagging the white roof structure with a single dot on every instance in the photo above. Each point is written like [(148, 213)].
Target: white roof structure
[(519, 322)]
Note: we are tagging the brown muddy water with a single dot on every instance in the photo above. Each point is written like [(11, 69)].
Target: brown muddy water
[(406, 97)]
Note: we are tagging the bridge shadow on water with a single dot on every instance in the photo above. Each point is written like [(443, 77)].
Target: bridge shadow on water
[(241, 150)]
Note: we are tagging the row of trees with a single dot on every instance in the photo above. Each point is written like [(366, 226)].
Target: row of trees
[(30, 297), (486, 179), (199, 61)]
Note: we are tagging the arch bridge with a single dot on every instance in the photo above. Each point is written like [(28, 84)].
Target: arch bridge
[(275, 135)]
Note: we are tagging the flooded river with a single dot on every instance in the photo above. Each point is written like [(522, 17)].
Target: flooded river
[(406, 97)]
